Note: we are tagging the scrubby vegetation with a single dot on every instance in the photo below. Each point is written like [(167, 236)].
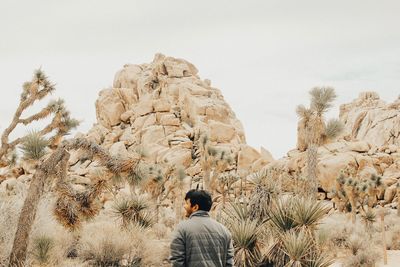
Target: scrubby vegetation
[(122, 209)]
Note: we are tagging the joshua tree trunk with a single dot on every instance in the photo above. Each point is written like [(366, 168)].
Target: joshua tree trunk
[(29, 208), (398, 201), (312, 157), (206, 179)]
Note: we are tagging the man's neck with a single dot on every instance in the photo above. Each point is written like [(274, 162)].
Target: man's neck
[(199, 213)]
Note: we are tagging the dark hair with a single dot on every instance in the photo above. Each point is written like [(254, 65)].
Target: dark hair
[(201, 198)]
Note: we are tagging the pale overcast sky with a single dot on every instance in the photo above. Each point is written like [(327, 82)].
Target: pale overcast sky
[(264, 55)]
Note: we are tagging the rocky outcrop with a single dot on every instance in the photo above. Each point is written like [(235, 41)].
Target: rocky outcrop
[(164, 107), (370, 145), (370, 119)]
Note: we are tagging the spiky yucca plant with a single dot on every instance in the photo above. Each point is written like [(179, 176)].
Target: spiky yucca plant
[(369, 218), (308, 213), (246, 244), (133, 210), (42, 246), (34, 145), (288, 218), (296, 245)]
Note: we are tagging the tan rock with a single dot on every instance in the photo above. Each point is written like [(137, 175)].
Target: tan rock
[(127, 77), (169, 120), (246, 157), (97, 133), (177, 156), (221, 132), (118, 150), (161, 105), (152, 134), (77, 179), (266, 155), (126, 116), (329, 167), (359, 146), (128, 137), (127, 95), (370, 119), (178, 67), (109, 108), (390, 192), (145, 105), (192, 171)]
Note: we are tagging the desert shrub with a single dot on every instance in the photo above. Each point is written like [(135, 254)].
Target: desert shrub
[(103, 244), (34, 146), (133, 210), (356, 243), (42, 248), (364, 258), (343, 229)]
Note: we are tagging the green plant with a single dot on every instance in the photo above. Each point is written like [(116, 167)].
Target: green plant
[(33, 145), (133, 210), (42, 246), (246, 243), (292, 223), (296, 245)]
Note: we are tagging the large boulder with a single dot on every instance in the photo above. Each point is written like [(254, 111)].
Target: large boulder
[(109, 108)]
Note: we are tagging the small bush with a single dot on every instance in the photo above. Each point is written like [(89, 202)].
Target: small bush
[(365, 258), (42, 247), (34, 146), (103, 244)]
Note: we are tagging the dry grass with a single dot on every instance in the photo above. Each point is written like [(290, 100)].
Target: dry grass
[(44, 225), (104, 244)]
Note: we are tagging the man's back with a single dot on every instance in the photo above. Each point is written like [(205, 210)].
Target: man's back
[(201, 241)]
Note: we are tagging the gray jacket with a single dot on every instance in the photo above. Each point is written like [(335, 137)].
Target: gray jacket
[(201, 242)]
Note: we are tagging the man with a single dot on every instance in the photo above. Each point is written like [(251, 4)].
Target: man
[(200, 241)]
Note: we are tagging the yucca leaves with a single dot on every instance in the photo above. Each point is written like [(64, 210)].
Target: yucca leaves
[(133, 209), (322, 98), (281, 215), (308, 212), (297, 245), (334, 128), (245, 240), (42, 246), (293, 221), (34, 145)]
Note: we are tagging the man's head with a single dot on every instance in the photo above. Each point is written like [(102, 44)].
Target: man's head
[(197, 200)]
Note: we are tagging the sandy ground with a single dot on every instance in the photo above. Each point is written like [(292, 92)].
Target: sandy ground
[(393, 260)]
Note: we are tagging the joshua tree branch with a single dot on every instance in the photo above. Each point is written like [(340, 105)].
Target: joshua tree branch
[(40, 115)]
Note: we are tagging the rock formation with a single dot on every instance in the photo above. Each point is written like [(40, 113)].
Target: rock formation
[(165, 108), (370, 145)]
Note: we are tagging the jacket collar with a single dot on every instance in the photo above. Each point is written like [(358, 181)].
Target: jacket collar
[(199, 213)]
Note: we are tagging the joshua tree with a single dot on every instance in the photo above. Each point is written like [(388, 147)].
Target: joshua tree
[(35, 90), (56, 166), (313, 131)]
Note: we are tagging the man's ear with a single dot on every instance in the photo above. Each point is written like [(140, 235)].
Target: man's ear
[(195, 208)]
